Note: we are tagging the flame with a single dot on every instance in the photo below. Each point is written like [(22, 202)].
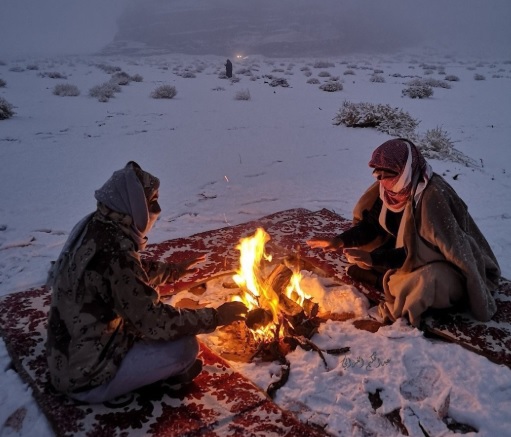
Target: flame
[(294, 291), (255, 293)]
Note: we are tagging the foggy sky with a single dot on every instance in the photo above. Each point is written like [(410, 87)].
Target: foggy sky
[(48, 27)]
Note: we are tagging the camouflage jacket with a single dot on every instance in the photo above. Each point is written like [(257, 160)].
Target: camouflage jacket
[(103, 300)]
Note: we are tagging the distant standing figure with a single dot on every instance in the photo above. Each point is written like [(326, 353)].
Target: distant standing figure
[(228, 68)]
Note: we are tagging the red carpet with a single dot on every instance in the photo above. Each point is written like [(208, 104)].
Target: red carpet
[(221, 402)]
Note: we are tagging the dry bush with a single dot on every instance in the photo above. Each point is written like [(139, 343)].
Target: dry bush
[(478, 76), (436, 144), (452, 78), (164, 92), (393, 121), (188, 75), (323, 74), (121, 78), (435, 83), (242, 95), (377, 78), (137, 78), (331, 87), (307, 73), (109, 69), (6, 109), (53, 75), (278, 81), (66, 90), (17, 69), (2, 83), (105, 91), (323, 64), (418, 91), (349, 73), (32, 67), (313, 81)]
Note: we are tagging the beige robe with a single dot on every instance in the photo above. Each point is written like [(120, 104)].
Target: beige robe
[(448, 259)]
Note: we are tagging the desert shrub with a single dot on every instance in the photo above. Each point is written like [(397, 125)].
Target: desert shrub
[(66, 90), (109, 69), (5, 63), (278, 81), (242, 95), (137, 78), (188, 75), (377, 78), (164, 92), (304, 68), (331, 87), (323, 64), (436, 144), (334, 78), (323, 74), (307, 73), (6, 109), (234, 79), (478, 76), (313, 81), (452, 78), (349, 72), (393, 121), (432, 82), (53, 75), (377, 71), (16, 69), (121, 78), (105, 91), (2, 83), (32, 67), (218, 88), (418, 92)]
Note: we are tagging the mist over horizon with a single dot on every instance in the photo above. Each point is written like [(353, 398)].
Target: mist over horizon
[(286, 28)]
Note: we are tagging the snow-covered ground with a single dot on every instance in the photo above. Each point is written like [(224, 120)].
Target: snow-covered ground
[(225, 161)]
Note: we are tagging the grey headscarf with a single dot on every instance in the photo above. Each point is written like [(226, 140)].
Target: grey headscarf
[(126, 192)]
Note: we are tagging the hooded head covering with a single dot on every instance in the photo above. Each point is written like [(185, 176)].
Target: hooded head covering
[(129, 191), (126, 193), (402, 157)]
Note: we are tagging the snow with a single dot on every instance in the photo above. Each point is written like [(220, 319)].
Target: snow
[(223, 161)]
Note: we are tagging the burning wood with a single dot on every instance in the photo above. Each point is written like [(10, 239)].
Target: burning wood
[(281, 316)]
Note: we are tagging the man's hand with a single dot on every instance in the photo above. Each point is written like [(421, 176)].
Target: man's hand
[(359, 257), (328, 245), (230, 312)]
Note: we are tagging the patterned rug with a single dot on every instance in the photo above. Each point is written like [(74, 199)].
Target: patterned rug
[(220, 402)]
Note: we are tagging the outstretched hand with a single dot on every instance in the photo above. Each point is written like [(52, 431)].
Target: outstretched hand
[(230, 312), (359, 257), (328, 245)]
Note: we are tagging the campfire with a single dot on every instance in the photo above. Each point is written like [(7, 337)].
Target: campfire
[(281, 316)]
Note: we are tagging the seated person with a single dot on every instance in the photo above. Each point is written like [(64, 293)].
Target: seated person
[(414, 237), (108, 331)]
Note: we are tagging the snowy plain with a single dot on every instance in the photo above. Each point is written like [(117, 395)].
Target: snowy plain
[(223, 161)]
